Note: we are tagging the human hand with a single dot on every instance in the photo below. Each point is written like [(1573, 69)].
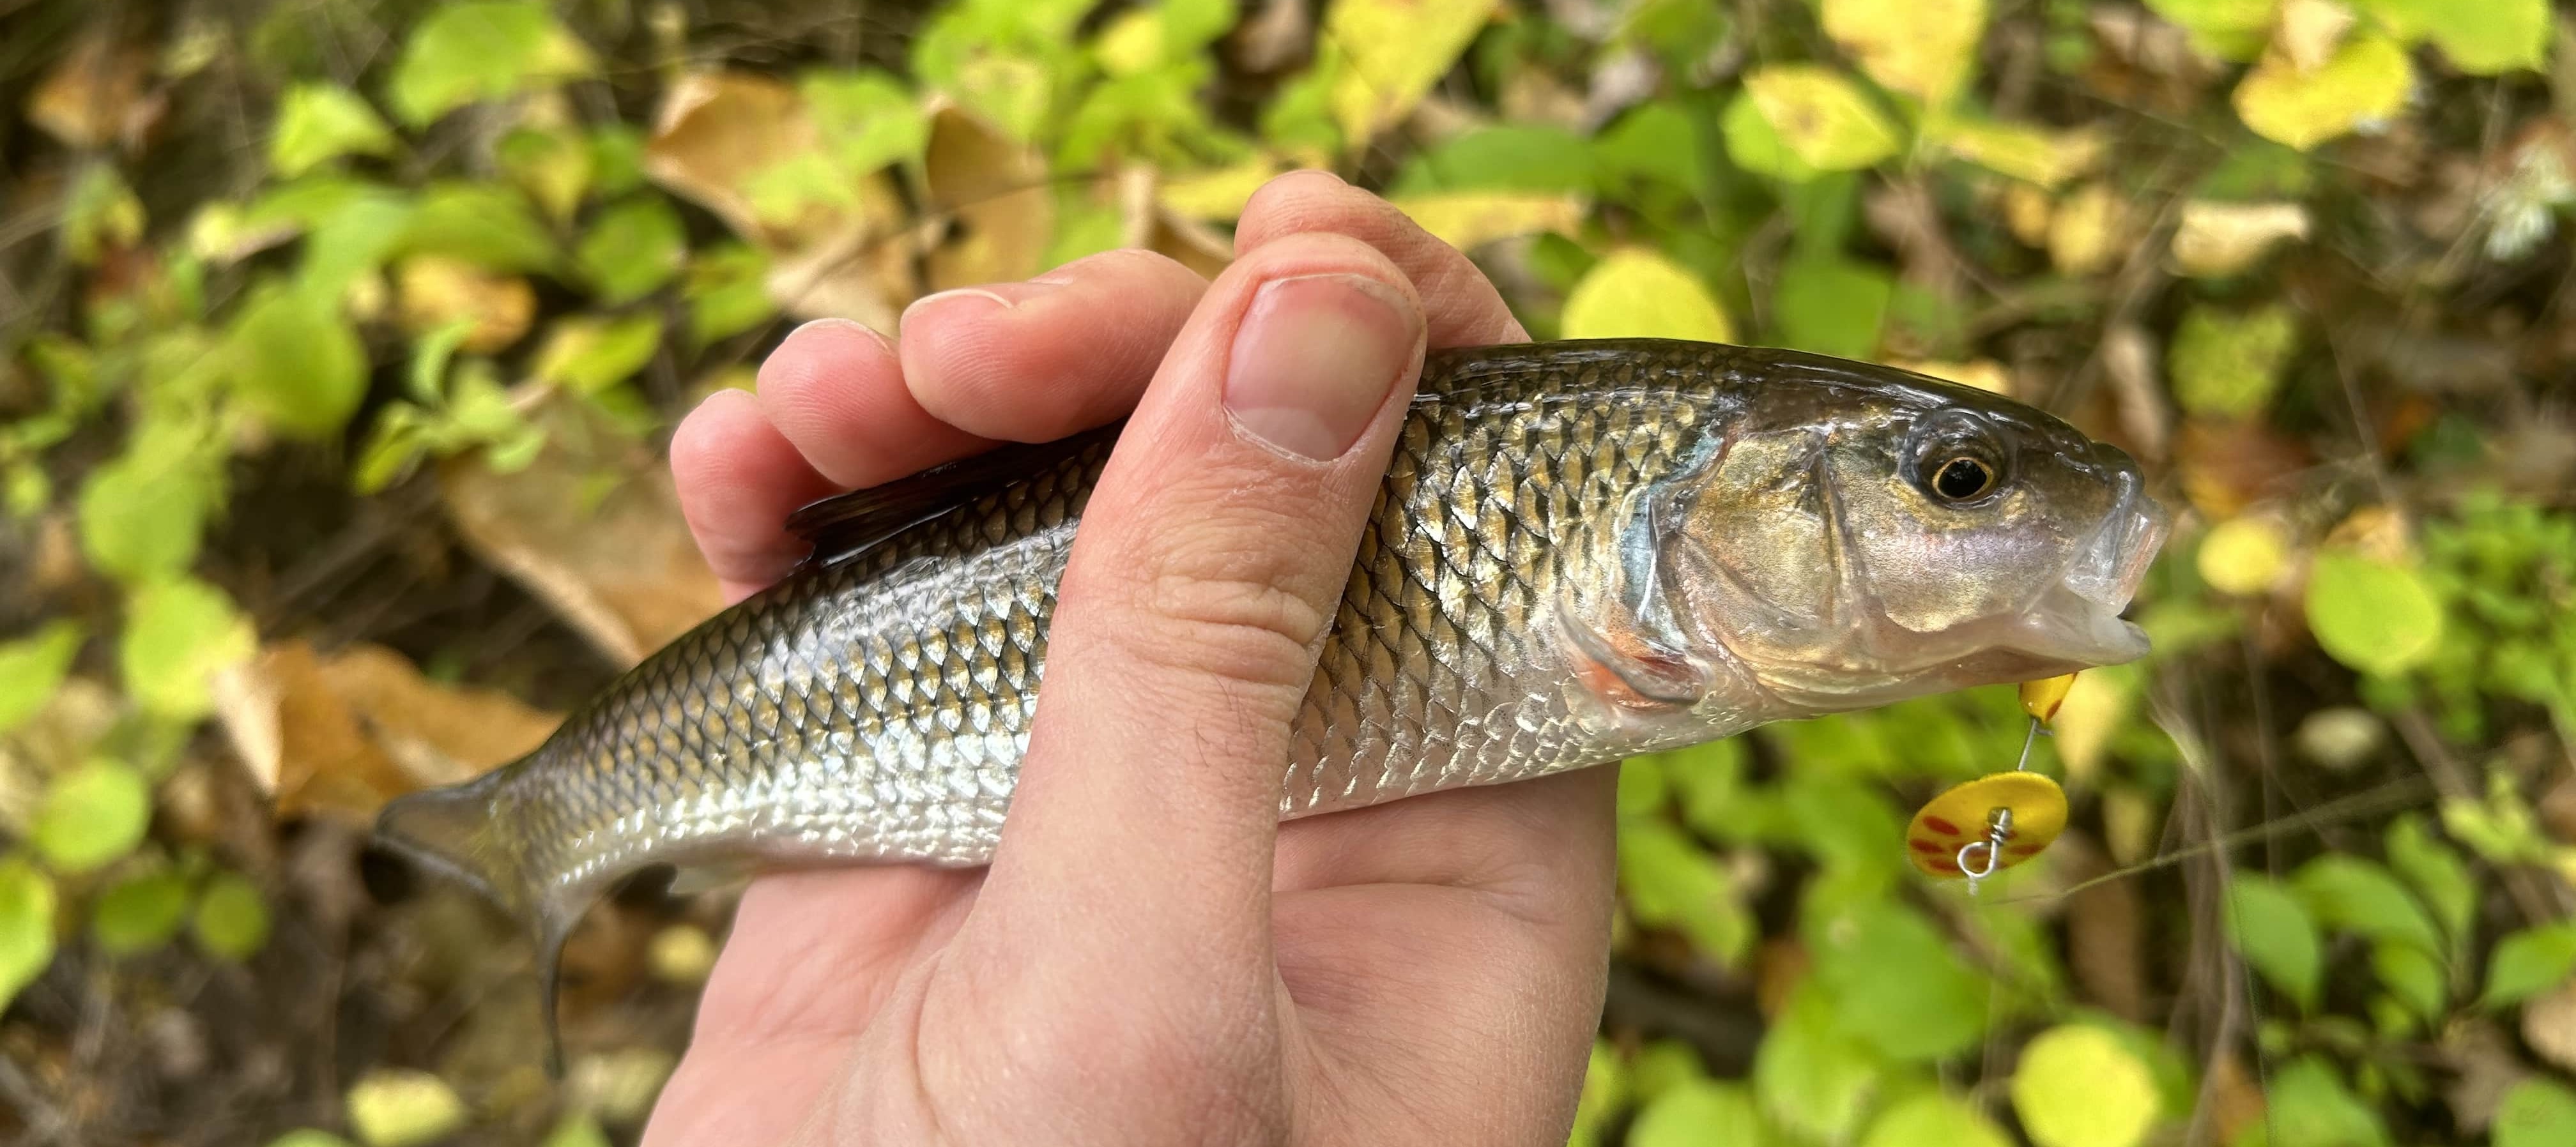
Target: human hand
[(1152, 957)]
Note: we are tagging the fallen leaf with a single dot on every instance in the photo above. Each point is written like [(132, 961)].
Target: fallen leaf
[(2308, 31), (1471, 219), (2236, 1101), (996, 186), (95, 96), (347, 732), (2244, 555), (435, 290), (715, 132), (2483, 1068), (2047, 158), (1390, 52), (1923, 48), (1216, 195), (1821, 117), (2088, 230), (2029, 213), (615, 561), (2215, 239), (2366, 82)]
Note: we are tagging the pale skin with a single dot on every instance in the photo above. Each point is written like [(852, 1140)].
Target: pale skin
[(1152, 958)]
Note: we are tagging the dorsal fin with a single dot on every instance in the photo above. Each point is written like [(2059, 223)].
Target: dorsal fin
[(846, 524)]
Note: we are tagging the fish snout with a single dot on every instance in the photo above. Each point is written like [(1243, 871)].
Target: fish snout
[(2113, 559)]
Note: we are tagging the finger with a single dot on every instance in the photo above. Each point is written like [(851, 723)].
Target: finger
[(1201, 581), (1461, 304), (1035, 361), (835, 389), (738, 478)]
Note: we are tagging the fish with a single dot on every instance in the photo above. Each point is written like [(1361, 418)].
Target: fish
[(1582, 550)]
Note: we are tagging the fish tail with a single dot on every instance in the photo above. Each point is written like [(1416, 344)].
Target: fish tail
[(467, 832)]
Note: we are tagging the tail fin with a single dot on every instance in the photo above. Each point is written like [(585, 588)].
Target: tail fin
[(467, 833)]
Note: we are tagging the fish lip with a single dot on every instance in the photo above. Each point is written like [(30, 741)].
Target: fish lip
[(2078, 619)]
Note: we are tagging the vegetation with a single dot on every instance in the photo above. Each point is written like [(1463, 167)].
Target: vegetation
[(338, 340)]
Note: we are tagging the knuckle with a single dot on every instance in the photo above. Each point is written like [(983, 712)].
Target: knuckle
[(1234, 609)]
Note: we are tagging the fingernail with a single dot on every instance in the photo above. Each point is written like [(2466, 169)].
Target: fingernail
[(999, 296), (1315, 358), (837, 323)]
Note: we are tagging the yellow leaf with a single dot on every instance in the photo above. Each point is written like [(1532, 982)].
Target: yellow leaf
[(435, 290), (2085, 233), (997, 187), (2367, 81), (2093, 711), (1636, 293), (2047, 158), (2220, 239), (1822, 117), (1219, 194), (1391, 52), (2244, 556), (1984, 373), (1923, 48), (1467, 219)]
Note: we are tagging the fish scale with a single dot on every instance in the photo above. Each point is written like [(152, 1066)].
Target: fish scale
[(875, 705)]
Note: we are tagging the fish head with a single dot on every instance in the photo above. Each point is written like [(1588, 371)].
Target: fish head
[(1864, 534)]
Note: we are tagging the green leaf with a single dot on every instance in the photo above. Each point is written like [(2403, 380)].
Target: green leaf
[(728, 292), (1672, 882), (482, 50), (2357, 896), (864, 119), (2228, 365), (398, 1107), (92, 815), (1756, 147), (354, 239), (26, 926), (2529, 962), (1661, 1066), (317, 123), (2078, 1086), (590, 355), (634, 247), (32, 667), (2536, 1113), (2437, 873), (232, 919), (579, 1129), (1811, 1077), (1696, 1112), (100, 213), (554, 165), (2484, 38), (295, 361), (488, 225), (2375, 617), (1897, 984), (142, 515), (2416, 977), (140, 912), (1822, 117), (178, 633), (1503, 157), (2367, 80), (1931, 1119), (1637, 293), (2227, 29), (1831, 306), (2272, 930), (2310, 1107)]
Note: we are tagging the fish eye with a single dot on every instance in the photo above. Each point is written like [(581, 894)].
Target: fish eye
[(1958, 458), (1963, 479)]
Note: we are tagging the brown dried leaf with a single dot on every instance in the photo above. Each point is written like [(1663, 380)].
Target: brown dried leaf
[(2483, 1068), (718, 130), (2227, 466), (997, 188), (95, 97), (435, 291), (347, 732), (2549, 1026), (592, 528)]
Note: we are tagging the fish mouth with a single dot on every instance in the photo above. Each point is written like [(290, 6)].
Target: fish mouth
[(2077, 621)]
